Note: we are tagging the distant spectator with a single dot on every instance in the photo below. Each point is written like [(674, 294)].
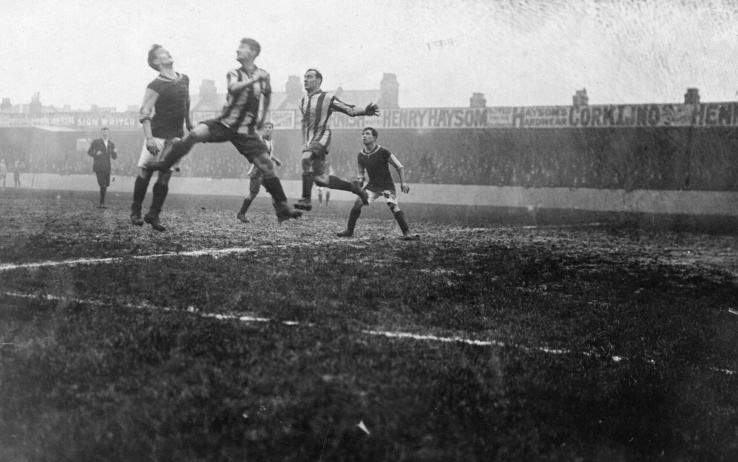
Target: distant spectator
[(102, 150), (17, 174), (3, 171)]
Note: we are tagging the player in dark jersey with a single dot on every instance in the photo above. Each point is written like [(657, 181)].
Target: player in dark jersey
[(248, 87), (164, 113), (374, 161), (255, 175), (316, 108)]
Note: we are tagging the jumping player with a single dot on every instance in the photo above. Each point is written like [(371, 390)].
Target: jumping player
[(248, 87), (164, 113), (374, 160), (316, 108), (255, 174)]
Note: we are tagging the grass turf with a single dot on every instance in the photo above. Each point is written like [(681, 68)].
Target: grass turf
[(615, 339)]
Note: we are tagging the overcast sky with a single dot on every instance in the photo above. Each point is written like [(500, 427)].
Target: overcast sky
[(516, 52)]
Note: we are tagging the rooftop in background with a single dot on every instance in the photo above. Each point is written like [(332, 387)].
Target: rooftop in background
[(386, 96)]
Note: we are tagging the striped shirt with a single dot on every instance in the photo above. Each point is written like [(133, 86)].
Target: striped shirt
[(376, 164), (316, 112), (242, 109)]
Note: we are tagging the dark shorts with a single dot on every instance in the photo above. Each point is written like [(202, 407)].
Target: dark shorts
[(318, 163), (319, 151), (249, 145), (103, 179)]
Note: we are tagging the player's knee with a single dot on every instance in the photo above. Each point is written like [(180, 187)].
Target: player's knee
[(164, 177), (321, 180), (394, 208), (198, 134)]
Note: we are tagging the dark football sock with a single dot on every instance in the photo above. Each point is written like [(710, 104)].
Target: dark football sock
[(160, 193), (337, 183), (274, 187), (178, 151), (307, 185), (245, 206), (400, 217), (139, 193), (353, 217)]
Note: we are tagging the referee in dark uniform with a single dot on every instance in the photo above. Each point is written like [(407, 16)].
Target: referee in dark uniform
[(102, 150)]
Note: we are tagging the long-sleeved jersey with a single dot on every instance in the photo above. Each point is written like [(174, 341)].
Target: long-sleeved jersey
[(242, 109), (316, 112)]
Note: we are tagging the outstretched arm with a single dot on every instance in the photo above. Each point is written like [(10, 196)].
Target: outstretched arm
[(337, 105)]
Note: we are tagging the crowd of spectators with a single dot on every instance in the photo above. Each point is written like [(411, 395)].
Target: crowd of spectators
[(601, 158)]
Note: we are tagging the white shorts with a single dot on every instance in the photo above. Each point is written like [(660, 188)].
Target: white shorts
[(390, 196), (147, 157)]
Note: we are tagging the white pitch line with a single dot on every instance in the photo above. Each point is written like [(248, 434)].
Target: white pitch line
[(191, 253), (377, 333)]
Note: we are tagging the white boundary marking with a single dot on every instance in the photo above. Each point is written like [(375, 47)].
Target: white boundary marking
[(192, 253), (376, 333)]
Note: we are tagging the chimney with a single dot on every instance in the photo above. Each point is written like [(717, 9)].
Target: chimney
[(208, 88), (580, 98), (293, 88), (477, 100), (692, 96), (35, 107), (389, 90)]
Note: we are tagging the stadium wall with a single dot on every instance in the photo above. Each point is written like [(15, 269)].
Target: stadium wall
[(674, 159), (645, 158)]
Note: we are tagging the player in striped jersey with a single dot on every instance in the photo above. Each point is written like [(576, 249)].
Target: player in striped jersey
[(255, 174), (316, 108), (248, 88), (374, 161), (164, 113)]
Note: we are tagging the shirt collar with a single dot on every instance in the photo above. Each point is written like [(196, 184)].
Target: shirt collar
[(368, 153)]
